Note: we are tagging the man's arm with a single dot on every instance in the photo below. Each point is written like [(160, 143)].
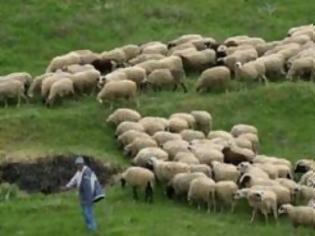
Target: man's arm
[(72, 183)]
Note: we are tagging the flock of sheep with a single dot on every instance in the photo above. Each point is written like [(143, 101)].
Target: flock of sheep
[(121, 72), (209, 167)]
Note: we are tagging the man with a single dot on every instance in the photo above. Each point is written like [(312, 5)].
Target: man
[(90, 191)]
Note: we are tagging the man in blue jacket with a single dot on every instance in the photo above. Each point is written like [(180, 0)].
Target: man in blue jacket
[(90, 191)]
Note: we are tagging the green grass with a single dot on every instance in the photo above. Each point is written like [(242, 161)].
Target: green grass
[(33, 31)]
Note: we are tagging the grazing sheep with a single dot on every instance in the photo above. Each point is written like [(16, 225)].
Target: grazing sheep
[(76, 68), (145, 57), (217, 78), (35, 87), (203, 121), (299, 215), (304, 165), (177, 125), (236, 155), (289, 184), (173, 147), (274, 65), (129, 136), (138, 177), (125, 89), (118, 55), (86, 56), (220, 134), (305, 193), (203, 168), (123, 114), (253, 138), (154, 48), (275, 171), (24, 77), (104, 66), (272, 160), (187, 117), (302, 68), (85, 82), (179, 184), (249, 180), (199, 60), (246, 167), (202, 190), (131, 51), (48, 81), (251, 71), (184, 39), (152, 125), (186, 157), (133, 148), (166, 170), (114, 76), (207, 155), (225, 191), (12, 89), (164, 78), (144, 155), (135, 74), (190, 135), (62, 61), (60, 89), (222, 171), (240, 129), (162, 137), (150, 65), (243, 143), (128, 125), (308, 178)]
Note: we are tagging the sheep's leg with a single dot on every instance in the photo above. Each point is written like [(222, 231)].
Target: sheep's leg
[(148, 193), (184, 87), (266, 217), (275, 214), (137, 102), (135, 193), (265, 80), (5, 103), (214, 204), (209, 206), (253, 215), (233, 207)]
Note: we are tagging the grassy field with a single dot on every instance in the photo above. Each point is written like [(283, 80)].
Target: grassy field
[(34, 31)]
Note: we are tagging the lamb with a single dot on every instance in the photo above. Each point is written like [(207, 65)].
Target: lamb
[(144, 155), (222, 171), (186, 157), (123, 114), (60, 89), (251, 71), (120, 89), (164, 78), (152, 125), (173, 147), (166, 170), (162, 137), (199, 60), (133, 148), (225, 191), (203, 121), (202, 190), (302, 67), (128, 125), (217, 78), (138, 177), (129, 136), (86, 81), (179, 184), (62, 61), (12, 89), (190, 135), (299, 215)]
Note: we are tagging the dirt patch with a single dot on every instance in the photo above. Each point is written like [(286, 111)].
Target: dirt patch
[(47, 174)]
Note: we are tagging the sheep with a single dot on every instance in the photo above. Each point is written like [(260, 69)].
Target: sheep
[(179, 184), (202, 190), (184, 39), (275, 171), (123, 114), (203, 168), (60, 89), (114, 76), (86, 56), (199, 60), (163, 78), (208, 155), (203, 121), (135, 74), (187, 117), (186, 157), (251, 71), (305, 193), (274, 65), (299, 215), (173, 147), (144, 155), (24, 77), (154, 48), (162, 137), (304, 165), (299, 28), (250, 179), (246, 167), (302, 67), (138, 177), (76, 68), (128, 125), (86, 81), (12, 89), (150, 65), (104, 66), (190, 135), (243, 143), (131, 51), (220, 134), (236, 155), (176, 124), (129, 136), (152, 125), (145, 57), (120, 89), (166, 170), (35, 87), (217, 78), (118, 55), (253, 138), (137, 144), (62, 61), (175, 65), (48, 81), (289, 184), (308, 178), (272, 160), (222, 171), (225, 191)]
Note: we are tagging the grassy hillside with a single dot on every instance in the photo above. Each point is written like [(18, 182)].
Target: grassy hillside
[(34, 31)]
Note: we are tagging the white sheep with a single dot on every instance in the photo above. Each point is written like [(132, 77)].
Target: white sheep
[(251, 71), (162, 137), (60, 89), (123, 114), (222, 171), (144, 155), (172, 147), (225, 191), (186, 157), (12, 89), (128, 125), (199, 60), (190, 135), (203, 120)]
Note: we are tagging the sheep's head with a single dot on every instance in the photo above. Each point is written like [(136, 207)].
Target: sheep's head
[(238, 65), (241, 193), (243, 167), (170, 191), (244, 180), (284, 209), (303, 166)]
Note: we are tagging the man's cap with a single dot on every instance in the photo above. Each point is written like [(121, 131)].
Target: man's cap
[(79, 160)]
